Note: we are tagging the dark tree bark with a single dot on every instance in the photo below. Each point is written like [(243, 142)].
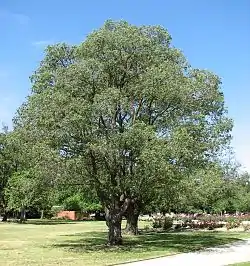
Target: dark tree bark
[(115, 234), (5, 217), (132, 215), (114, 221), (23, 215), (132, 224), (4, 208)]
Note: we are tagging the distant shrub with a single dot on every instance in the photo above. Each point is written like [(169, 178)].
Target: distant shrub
[(91, 206), (60, 218), (165, 223), (55, 210), (246, 227), (232, 223), (73, 203), (146, 227), (178, 226), (157, 222), (202, 222)]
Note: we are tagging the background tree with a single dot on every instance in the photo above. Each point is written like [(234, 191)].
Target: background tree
[(9, 164), (20, 193), (240, 189), (5, 169), (77, 198), (202, 190), (217, 188), (126, 110)]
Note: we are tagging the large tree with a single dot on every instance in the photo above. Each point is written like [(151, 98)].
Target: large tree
[(126, 111)]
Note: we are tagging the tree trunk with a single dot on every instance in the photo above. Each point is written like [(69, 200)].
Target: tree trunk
[(4, 207), (132, 215), (23, 215), (114, 221), (132, 223), (42, 214), (115, 233), (5, 217)]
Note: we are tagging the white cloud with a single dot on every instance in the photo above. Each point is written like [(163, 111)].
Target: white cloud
[(19, 18), (42, 43)]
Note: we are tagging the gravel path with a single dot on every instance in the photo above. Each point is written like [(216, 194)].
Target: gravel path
[(224, 255)]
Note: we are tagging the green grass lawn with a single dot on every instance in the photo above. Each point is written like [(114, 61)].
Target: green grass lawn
[(83, 243), (241, 264)]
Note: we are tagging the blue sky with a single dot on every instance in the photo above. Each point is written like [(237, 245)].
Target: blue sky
[(213, 34)]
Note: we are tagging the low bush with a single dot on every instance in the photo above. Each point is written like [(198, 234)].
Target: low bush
[(178, 226), (146, 227), (246, 227), (233, 223), (165, 223), (203, 222), (55, 210), (157, 222), (59, 218)]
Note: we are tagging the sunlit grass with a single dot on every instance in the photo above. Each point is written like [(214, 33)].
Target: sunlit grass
[(241, 264), (83, 243)]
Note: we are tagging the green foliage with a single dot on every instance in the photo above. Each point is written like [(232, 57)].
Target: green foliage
[(165, 223), (246, 227), (127, 105), (20, 191), (25, 190), (210, 190), (157, 222), (78, 198), (73, 203), (77, 202), (232, 223), (9, 164), (55, 210), (168, 223), (91, 206)]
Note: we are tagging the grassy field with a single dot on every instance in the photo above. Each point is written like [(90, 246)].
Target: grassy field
[(241, 264), (83, 243)]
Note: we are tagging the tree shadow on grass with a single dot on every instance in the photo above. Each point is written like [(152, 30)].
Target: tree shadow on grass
[(147, 242)]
